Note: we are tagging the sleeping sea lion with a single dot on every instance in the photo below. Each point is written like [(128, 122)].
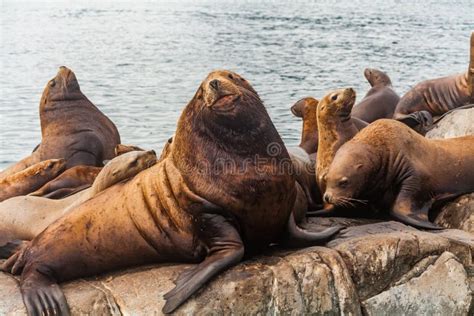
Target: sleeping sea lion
[(31, 178), (219, 192), (437, 96), (71, 127), (380, 101), (392, 167), (121, 149), (68, 182), (24, 217)]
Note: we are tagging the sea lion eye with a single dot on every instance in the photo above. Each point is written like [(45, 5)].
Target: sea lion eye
[(343, 182), (334, 97), (52, 83), (231, 76)]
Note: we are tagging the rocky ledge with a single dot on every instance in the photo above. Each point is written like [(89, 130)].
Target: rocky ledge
[(370, 268)]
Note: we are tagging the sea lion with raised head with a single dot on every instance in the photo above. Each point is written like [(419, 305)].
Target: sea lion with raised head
[(121, 149), (218, 193), (24, 217), (68, 182), (380, 101), (437, 96), (392, 167), (71, 127), (306, 110), (31, 178), (335, 128)]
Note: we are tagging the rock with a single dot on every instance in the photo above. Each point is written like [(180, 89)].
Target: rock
[(367, 265), (416, 295), (458, 214), (454, 124)]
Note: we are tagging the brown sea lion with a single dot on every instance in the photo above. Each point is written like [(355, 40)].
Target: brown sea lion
[(437, 96), (24, 217), (306, 109), (31, 178), (335, 128), (392, 167), (380, 101), (71, 127), (219, 193), (71, 179), (121, 149)]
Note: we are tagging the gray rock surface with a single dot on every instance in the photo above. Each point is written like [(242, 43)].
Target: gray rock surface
[(458, 214), (454, 124), (370, 268)]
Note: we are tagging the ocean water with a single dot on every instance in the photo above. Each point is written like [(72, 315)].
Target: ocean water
[(141, 62)]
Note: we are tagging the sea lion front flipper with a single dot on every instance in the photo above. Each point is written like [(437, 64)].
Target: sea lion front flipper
[(298, 237), (225, 250), (9, 249), (327, 210), (419, 121), (42, 296), (407, 210)]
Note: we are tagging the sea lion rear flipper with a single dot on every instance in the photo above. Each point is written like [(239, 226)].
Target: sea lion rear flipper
[(10, 248), (65, 192), (225, 250), (299, 237), (420, 121)]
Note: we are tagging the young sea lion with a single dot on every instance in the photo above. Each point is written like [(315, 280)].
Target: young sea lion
[(392, 167), (71, 127), (24, 217), (306, 109), (31, 178), (380, 101), (72, 179), (219, 192), (437, 96), (335, 128), (121, 149)]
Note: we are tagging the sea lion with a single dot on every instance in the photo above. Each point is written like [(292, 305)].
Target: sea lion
[(380, 101), (31, 178), (392, 167), (24, 217), (306, 109), (121, 149), (190, 207), (335, 128), (71, 127), (437, 96), (71, 179)]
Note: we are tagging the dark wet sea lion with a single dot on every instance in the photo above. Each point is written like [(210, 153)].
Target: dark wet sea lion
[(392, 167), (24, 217), (219, 192), (335, 128), (73, 178), (438, 96), (306, 109), (31, 178), (380, 101), (71, 127)]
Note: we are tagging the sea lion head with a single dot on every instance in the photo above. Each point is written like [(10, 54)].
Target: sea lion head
[(350, 174), (337, 103), (54, 166), (227, 110), (64, 86), (305, 107), (122, 167), (377, 77)]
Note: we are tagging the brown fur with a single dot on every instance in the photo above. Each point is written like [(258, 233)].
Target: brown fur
[(380, 101), (306, 109), (73, 178), (392, 167), (335, 128), (121, 149), (31, 178), (71, 127), (182, 209)]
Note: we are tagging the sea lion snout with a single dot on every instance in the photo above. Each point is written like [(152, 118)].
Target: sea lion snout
[(220, 90), (327, 197)]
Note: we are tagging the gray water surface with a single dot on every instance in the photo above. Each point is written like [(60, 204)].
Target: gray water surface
[(140, 62)]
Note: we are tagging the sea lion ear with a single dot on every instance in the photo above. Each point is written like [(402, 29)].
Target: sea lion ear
[(359, 166)]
